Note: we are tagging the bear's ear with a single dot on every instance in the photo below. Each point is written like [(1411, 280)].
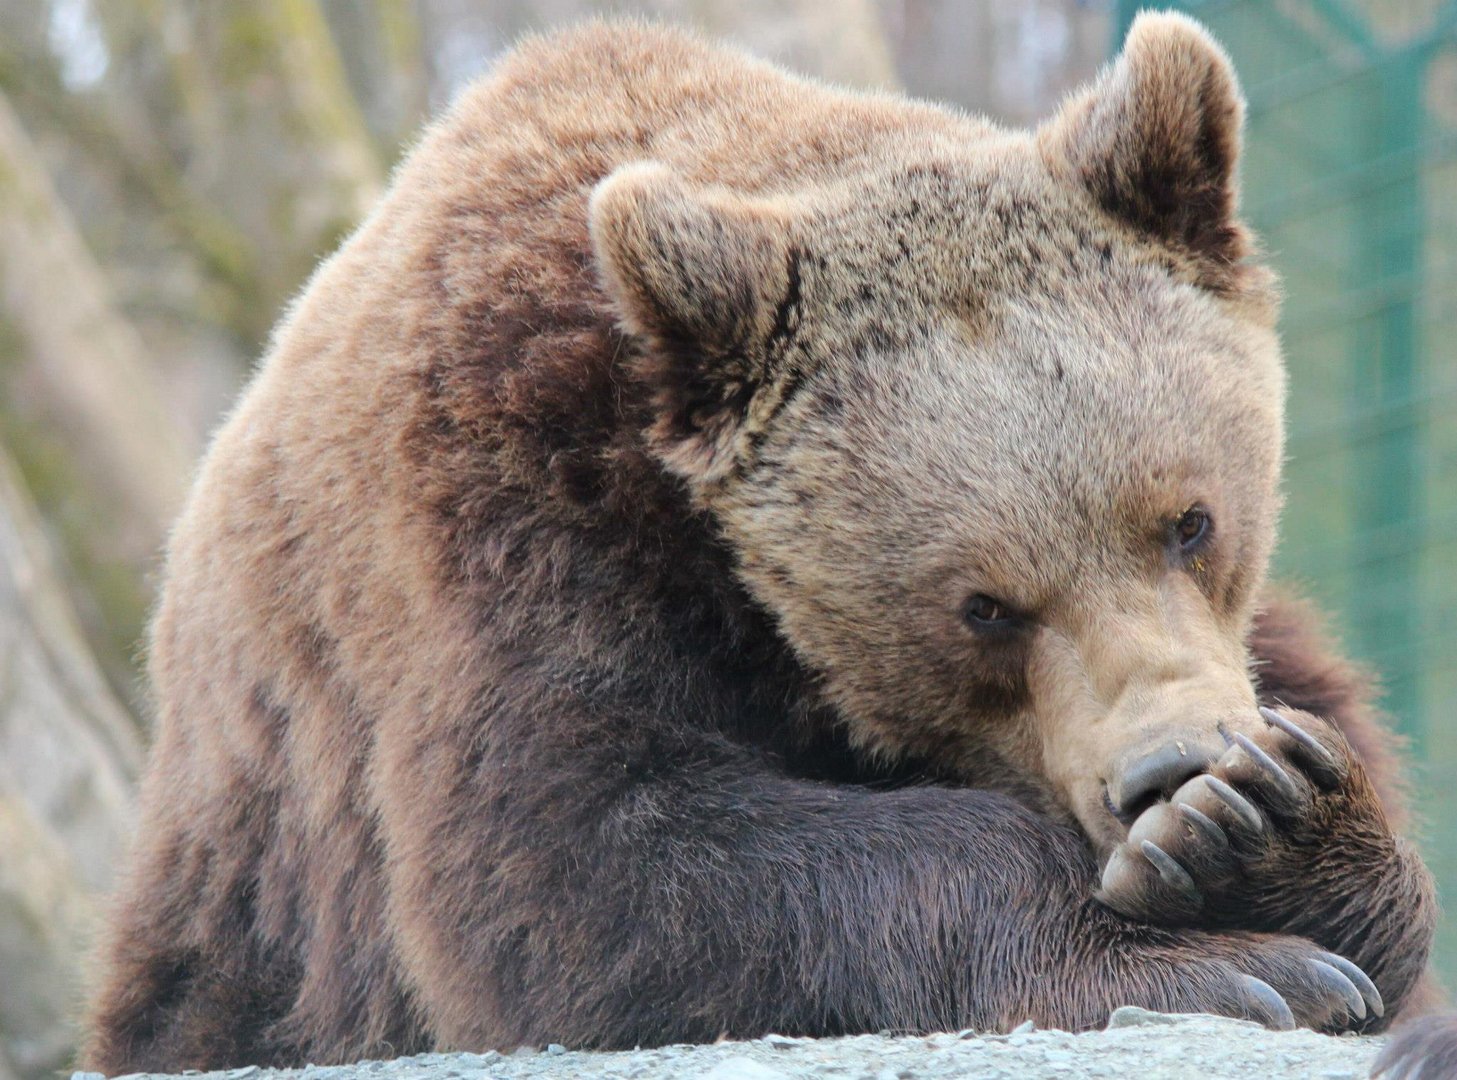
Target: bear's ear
[(699, 276), (1156, 140)]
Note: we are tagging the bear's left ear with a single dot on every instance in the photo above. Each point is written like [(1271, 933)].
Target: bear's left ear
[(704, 278), (1156, 140)]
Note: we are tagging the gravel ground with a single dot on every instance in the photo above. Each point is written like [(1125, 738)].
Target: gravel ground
[(1137, 1044)]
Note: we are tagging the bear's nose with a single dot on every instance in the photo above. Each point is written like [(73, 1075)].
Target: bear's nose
[(1157, 774)]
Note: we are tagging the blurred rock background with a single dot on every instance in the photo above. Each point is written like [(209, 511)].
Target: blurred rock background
[(170, 172)]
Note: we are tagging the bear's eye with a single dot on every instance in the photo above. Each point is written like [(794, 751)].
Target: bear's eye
[(984, 612), (1192, 530)]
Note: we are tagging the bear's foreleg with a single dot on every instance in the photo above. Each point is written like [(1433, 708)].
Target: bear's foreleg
[(723, 898)]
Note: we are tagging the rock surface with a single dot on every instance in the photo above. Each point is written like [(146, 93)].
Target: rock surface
[(1138, 1044)]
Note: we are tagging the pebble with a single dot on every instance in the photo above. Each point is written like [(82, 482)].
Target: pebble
[(743, 1068), (1132, 1016), (478, 1061)]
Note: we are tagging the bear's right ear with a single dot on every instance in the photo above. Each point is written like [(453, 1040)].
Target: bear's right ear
[(699, 277)]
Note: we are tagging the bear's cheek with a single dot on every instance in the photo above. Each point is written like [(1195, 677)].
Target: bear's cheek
[(908, 692)]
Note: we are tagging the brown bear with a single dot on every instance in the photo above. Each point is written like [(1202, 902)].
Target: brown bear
[(718, 554)]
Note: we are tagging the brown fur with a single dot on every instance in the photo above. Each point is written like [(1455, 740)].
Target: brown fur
[(1425, 1049), (565, 638)]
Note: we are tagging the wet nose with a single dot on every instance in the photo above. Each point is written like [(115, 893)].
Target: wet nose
[(1157, 774)]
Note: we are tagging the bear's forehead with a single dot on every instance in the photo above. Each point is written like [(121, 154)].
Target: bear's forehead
[(955, 215), (1056, 422), (1153, 373), (977, 232)]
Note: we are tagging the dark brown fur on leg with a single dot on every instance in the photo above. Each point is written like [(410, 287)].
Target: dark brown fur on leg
[(189, 983), (223, 949)]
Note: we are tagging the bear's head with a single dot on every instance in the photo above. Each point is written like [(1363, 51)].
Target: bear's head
[(994, 424)]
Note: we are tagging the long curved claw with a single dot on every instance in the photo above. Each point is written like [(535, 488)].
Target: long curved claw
[(1266, 1003), (1337, 983), (1174, 875), (1282, 780), (1242, 807), (1204, 825), (1327, 770), (1361, 980)]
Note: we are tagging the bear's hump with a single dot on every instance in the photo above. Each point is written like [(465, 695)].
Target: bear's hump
[(609, 92)]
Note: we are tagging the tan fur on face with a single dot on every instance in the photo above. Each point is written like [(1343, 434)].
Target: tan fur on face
[(1006, 379)]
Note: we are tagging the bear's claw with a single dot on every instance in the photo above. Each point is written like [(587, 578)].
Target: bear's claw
[(1174, 875), (1243, 809), (1363, 983), (1320, 990), (1336, 982), (1324, 767), (1287, 787), (1266, 1004), (1287, 982), (1206, 826), (1218, 841)]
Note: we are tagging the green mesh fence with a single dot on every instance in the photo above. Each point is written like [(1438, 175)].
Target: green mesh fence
[(1351, 179)]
